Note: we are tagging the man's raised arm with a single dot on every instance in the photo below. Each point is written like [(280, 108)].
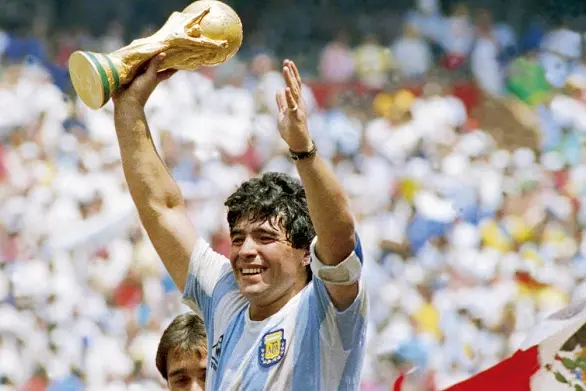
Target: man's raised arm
[(328, 205), (155, 193)]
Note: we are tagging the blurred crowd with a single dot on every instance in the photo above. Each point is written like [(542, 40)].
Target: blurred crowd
[(469, 240)]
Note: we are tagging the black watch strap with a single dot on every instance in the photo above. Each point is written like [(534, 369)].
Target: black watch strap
[(302, 155)]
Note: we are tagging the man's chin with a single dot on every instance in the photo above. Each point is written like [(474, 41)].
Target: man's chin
[(252, 290)]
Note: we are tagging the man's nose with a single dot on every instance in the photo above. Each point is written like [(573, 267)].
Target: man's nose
[(248, 248)]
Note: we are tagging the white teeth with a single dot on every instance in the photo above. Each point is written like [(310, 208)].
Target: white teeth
[(251, 271)]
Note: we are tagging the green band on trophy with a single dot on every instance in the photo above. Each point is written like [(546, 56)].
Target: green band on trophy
[(114, 73), (103, 76)]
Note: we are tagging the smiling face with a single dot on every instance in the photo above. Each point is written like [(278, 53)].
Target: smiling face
[(268, 270), (271, 233)]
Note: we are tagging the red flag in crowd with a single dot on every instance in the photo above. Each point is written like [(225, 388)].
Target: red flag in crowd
[(553, 357)]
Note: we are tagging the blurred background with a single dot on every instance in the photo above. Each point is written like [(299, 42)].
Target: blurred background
[(457, 129)]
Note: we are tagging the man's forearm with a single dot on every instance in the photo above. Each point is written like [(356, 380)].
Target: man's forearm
[(329, 209), (149, 181)]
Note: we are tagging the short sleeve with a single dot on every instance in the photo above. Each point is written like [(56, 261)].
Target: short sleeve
[(206, 269), (347, 325)]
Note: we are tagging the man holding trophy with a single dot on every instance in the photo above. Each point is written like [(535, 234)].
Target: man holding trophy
[(287, 309)]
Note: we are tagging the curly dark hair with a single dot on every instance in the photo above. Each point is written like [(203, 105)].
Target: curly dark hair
[(279, 199)]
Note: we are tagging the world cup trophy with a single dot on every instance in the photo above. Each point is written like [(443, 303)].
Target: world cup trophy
[(206, 33)]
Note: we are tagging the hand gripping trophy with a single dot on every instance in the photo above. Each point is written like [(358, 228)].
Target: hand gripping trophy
[(207, 32)]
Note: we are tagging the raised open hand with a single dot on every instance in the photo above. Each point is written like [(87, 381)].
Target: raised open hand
[(292, 120)]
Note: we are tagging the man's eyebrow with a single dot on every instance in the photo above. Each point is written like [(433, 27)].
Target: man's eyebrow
[(236, 231), (257, 230), (180, 371), (264, 230)]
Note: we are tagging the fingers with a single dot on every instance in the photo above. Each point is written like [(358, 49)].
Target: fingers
[(281, 100), (139, 90), (291, 82), (291, 65), (154, 65), (291, 101), (151, 75), (290, 98), (286, 101), (162, 76)]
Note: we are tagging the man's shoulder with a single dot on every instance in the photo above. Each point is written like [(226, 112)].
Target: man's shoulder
[(226, 297)]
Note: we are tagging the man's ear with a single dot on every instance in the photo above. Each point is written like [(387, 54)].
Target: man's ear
[(307, 258)]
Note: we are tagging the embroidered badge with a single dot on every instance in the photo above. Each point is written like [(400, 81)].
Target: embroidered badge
[(272, 348)]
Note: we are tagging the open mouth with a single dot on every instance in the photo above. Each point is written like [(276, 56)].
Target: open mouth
[(251, 271)]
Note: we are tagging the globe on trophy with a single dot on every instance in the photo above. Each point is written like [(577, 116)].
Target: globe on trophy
[(206, 33)]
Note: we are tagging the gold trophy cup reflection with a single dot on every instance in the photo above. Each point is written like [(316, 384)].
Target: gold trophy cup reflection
[(206, 33)]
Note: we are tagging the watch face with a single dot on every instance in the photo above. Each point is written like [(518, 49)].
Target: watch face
[(334, 275)]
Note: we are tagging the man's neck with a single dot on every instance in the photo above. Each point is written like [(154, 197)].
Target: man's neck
[(259, 312)]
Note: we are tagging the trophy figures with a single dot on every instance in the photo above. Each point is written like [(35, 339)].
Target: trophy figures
[(206, 33)]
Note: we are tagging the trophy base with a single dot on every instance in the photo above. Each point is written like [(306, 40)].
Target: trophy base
[(94, 77)]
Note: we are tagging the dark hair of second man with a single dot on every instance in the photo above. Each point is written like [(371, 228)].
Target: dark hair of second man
[(185, 335)]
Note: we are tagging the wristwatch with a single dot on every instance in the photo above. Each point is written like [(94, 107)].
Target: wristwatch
[(303, 155)]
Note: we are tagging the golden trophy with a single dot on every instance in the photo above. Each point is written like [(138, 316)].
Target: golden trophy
[(206, 33)]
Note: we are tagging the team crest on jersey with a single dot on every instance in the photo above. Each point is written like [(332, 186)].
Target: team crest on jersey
[(272, 348)]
